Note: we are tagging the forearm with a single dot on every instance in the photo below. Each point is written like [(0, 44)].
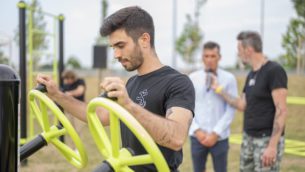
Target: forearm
[(164, 131), (77, 92), (235, 101), (71, 105), (278, 125)]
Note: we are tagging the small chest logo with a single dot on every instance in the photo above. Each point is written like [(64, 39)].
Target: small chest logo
[(140, 98)]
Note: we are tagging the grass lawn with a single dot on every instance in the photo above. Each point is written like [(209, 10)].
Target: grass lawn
[(50, 160)]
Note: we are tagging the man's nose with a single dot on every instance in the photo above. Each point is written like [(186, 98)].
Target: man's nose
[(117, 54)]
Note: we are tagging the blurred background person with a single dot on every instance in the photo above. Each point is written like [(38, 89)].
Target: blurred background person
[(210, 128), (73, 86)]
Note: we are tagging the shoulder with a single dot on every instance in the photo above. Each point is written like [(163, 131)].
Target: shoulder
[(195, 74), (80, 81), (275, 68), (226, 74)]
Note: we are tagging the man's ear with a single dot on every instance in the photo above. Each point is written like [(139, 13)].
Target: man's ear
[(144, 40)]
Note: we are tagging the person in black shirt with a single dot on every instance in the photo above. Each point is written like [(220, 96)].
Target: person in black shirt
[(72, 85), (159, 97), (264, 104)]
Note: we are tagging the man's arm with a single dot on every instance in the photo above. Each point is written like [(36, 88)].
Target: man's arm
[(171, 131), (70, 104), (279, 98), (77, 92), (235, 101)]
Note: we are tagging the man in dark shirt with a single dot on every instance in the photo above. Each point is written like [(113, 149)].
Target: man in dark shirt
[(159, 97), (264, 104), (72, 85)]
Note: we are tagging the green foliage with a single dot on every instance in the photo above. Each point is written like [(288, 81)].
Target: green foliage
[(73, 63), (189, 40), (40, 42), (293, 41), (191, 36), (3, 59), (102, 40)]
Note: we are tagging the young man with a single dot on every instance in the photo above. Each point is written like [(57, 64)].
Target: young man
[(72, 85), (159, 97), (264, 104), (210, 128)]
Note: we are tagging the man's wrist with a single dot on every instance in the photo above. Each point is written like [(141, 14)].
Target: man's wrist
[(219, 89)]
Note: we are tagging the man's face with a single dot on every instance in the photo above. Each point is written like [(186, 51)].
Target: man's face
[(210, 58), (126, 51), (243, 53)]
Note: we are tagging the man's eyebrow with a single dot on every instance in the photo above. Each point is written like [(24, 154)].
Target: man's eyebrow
[(117, 43)]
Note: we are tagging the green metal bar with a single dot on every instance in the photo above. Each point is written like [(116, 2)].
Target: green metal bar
[(136, 160), (55, 41), (115, 134), (43, 33), (42, 12), (54, 132), (296, 100)]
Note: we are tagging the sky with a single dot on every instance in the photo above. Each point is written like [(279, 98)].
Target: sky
[(220, 21)]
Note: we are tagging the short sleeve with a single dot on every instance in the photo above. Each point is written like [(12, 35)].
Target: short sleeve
[(277, 78), (181, 93), (81, 82)]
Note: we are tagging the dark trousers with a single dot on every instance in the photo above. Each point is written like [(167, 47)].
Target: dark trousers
[(219, 154)]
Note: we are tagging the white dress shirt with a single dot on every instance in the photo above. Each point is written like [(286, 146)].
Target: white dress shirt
[(212, 113)]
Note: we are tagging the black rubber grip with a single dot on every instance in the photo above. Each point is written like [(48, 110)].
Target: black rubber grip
[(104, 94), (42, 88), (33, 146)]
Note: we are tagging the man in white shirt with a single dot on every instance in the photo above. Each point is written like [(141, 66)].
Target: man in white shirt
[(210, 128)]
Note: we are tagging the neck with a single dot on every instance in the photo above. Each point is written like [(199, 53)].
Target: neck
[(258, 61), (151, 63)]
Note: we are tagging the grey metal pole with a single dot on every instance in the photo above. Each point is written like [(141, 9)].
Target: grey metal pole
[(262, 12), (174, 54)]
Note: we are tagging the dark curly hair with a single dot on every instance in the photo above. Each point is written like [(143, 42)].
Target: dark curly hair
[(134, 20)]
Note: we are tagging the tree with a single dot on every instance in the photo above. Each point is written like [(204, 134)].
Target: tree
[(73, 63), (40, 42), (104, 7), (293, 41), (191, 36), (3, 58)]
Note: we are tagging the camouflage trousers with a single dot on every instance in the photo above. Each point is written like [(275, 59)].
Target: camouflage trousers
[(252, 149)]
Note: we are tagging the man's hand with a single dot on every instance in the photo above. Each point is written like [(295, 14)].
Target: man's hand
[(51, 86), (200, 135), (214, 84), (269, 156), (210, 140), (115, 87)]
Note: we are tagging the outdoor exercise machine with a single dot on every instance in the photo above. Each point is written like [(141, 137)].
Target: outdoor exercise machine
[(116, 157), (58, 66), (40, 104)]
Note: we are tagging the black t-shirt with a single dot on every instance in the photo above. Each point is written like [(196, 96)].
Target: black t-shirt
[(73, 86), (260, 109), (158, 91)]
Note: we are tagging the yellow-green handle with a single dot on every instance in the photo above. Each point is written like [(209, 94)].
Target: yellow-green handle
[(77, 157), (118, 157)]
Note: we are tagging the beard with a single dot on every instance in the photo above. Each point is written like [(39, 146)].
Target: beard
[(135, 61)]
